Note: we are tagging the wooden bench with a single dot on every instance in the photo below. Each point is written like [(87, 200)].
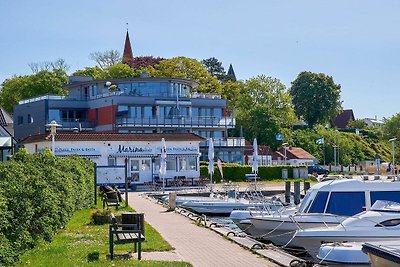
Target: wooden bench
[(111, 199), (125, 233)]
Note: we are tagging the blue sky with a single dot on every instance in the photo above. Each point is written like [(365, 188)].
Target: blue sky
[(356, 42)]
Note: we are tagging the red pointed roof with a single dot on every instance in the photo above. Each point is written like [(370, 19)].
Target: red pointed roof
[(127, 57)]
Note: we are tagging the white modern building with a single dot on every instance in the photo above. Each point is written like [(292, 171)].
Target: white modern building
[(140, 151)]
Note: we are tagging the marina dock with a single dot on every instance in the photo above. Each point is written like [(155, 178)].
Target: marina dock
[(194, 244)]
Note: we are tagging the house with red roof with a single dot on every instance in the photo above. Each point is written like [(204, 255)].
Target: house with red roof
[(293, 156)]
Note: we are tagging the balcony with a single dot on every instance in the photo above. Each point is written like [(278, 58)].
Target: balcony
[(226, 142), (70, 125), (177, 121)]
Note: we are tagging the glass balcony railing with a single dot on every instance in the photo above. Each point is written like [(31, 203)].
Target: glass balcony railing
[(226, 142), (177, 121)]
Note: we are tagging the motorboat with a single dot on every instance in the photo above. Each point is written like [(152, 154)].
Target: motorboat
[(379, 224), (344, 254), (326, 204), (242, 218), (227, 206), (384, 254), (182, 199)]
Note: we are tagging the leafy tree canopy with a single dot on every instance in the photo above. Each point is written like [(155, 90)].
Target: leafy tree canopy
[(183, 67), (356, 124), (22, 87), (316, 98), (270, 93), (107, 58), (215, 68)]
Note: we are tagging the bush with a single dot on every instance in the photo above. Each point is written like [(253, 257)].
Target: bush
[(236, 173), (39, 195)]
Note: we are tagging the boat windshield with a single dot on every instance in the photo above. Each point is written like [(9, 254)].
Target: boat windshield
[(385, 205), (308, 198)]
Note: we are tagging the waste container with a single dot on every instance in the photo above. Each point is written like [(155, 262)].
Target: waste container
[(296, 173), (284, 173)]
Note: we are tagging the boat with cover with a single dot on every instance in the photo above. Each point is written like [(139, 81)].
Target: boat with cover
[(383, 254), (379, 224), (249, 199), (325, 204)]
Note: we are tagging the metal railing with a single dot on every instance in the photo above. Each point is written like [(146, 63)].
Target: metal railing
[(177, 121)]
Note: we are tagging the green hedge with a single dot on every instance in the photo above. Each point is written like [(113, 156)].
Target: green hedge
[(39, 194), (236, 173)]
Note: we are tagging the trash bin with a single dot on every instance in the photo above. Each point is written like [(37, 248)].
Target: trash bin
[(284, 173), (296, 173)]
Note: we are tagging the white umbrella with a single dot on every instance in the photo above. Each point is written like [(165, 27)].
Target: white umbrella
[(211, 158), (163, 161), (254, 167)]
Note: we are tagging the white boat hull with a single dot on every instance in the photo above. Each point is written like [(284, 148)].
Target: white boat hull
[(280, 230)]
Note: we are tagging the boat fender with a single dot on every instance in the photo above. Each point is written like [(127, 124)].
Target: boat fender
[(231, 232), (258, 246), (300, 263)]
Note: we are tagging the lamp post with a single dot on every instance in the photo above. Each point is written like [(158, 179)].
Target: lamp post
[(392, 141), (284, 146), (53, 130)]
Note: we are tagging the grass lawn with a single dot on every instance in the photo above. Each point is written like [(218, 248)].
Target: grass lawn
[(84, 244)]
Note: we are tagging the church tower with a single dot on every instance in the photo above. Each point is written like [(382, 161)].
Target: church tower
[(127, 57)]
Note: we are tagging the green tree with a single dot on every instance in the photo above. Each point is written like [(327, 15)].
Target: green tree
[(107, 58), (28, 86), (215, 68), (316, 98), (391, 129), (96, 72), (182, 67), (356, 124), (271, 93), (258, 122), (120, 70)]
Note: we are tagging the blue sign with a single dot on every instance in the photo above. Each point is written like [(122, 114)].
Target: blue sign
[(279, 137)]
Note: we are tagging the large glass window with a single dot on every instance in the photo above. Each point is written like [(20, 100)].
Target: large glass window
[(217, 112), (319, 202), (136, 111), (183, 164), (192, 163), (147, 112), (195, 112), (346, 203), (385, 195)]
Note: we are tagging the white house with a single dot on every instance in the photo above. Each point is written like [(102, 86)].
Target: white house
[(140, 151)]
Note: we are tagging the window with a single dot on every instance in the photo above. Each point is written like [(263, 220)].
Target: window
[(183, 164), (346, 203), (20, 120), (318, 205), (385, 195), (392, 222), (171, 164), (192, 163), (30, 119), (112, 161)]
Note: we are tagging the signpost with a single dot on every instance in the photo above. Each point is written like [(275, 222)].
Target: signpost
[(110, 176)]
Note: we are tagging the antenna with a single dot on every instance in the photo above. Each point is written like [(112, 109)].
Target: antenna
[(127, 26)]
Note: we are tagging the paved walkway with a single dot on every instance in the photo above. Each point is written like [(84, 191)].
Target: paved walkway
[(194, 244)]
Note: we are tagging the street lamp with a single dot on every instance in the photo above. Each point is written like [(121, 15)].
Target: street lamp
[(334, 155), (284, 146), (392, 140), (53, 130)]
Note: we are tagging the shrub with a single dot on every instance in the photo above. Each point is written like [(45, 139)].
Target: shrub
[(39, 195), (236, 172)]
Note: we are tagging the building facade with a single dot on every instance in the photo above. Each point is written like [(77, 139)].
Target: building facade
[(140, 151), (133, 105)]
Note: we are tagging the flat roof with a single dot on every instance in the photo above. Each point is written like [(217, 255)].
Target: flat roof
[(98, 136)]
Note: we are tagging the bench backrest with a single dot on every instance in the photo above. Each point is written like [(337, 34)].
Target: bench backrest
[(112, 195)]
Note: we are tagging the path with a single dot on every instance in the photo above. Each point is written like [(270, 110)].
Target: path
[(194, 244)]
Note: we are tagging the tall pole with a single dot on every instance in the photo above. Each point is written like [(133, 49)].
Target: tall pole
[(53, 143), (334, 156), (392, 140), (323, 151)]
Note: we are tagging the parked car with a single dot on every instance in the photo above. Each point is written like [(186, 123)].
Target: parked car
[(317, 169)]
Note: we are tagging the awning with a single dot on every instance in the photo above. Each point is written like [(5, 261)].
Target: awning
[(5, 142)]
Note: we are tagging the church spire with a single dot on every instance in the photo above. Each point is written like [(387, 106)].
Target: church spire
[(231, 73), (127, 57)]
